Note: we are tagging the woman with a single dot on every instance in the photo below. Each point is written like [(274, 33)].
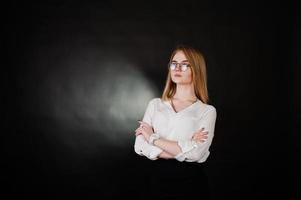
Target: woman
[(177, 130)]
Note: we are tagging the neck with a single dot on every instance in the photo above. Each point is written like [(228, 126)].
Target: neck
[(185, 92)]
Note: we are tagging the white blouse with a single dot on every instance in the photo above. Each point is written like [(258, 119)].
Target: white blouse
[(178, 126)]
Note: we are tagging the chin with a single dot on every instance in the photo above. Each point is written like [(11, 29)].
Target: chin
[(180, 82), (175, 80)]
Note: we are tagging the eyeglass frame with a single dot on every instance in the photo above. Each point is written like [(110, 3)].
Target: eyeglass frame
[(180, 64)]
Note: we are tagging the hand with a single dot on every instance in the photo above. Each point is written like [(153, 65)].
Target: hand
[(138, 130), (200, 135), (145, 129)]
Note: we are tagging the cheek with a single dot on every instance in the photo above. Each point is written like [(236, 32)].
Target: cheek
[(188, 76)]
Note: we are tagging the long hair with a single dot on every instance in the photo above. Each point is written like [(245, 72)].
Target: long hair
[(199, 75)]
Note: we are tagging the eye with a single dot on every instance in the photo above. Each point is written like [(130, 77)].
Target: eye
[(173, 65)]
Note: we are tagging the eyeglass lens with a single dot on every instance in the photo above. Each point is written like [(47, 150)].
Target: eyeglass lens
[(183, 66)]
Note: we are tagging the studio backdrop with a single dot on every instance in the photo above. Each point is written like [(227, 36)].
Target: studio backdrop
[(82, 74)]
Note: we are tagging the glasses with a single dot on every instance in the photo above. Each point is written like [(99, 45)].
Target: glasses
[(183, 66)]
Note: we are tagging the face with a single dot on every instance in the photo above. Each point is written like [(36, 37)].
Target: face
[(177, 75)]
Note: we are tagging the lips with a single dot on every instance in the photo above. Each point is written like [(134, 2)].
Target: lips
[(178, 75)]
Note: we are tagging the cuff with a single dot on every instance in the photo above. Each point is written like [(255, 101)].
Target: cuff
[(185, 146), (154, 152)]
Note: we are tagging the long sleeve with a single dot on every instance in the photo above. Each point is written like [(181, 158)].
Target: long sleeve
[(193, 151), (142, 147)]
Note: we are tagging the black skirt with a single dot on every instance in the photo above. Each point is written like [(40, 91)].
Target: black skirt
[(171, 179)]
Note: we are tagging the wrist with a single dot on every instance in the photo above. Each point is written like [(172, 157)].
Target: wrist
[(153, 137)]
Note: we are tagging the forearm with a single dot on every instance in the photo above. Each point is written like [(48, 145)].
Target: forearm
[(165, 155), (142, 147), (171, 147)]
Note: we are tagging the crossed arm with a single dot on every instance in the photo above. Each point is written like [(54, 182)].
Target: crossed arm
[(169, 148)]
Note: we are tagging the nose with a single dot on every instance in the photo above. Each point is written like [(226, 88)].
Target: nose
[(178, 68)]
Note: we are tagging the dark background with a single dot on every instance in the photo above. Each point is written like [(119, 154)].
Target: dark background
[(78, 75)]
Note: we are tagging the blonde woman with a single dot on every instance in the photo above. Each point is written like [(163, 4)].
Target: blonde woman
[(177, 130)]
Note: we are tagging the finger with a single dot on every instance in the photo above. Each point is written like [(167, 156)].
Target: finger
[(204, 139), (196, 135), (202, 136), (144, 123), (200, 140), (203, 132), (142, 126), (147, 127), (141, 130)]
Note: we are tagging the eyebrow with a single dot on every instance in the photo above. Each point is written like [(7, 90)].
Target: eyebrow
[(182, 61)]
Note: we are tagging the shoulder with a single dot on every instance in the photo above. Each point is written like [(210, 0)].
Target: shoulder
[(154, 101), (157, 104), (207, 109), (210, 108)]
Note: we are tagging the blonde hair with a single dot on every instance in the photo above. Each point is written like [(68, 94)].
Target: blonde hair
[(199, 76)]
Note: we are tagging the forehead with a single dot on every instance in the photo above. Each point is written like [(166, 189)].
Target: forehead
[(179, 57)]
